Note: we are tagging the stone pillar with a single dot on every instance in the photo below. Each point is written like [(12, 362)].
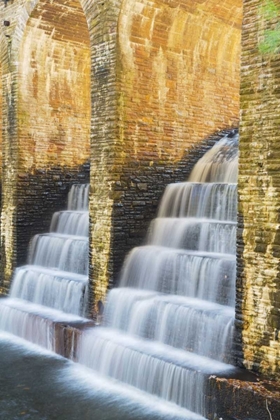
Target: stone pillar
[(258, 282), (8, 41), (107, 151)]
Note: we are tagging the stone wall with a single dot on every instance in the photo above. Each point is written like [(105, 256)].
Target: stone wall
[(180, 73), (137, 198), (40, 194), (165, 77), (54, 88), (1, 118), (107, 146), (9, 144), (45, 53), (258, 283)]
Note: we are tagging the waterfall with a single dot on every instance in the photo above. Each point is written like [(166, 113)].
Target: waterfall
[(169, 325), (53, 287)]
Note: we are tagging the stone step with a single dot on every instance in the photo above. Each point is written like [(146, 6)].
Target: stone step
[(40, 325), (171, 374), (192, 324)]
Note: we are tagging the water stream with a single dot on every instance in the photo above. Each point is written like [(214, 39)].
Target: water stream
[(53, 286), (169, 324)]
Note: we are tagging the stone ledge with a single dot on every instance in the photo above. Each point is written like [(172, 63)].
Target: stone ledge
[(246, 398), (235, 399), (67, 337)]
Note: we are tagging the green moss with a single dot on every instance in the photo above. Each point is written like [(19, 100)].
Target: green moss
[(271, 37)]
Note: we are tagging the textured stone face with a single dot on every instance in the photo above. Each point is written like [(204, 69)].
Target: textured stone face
[(180, 73), (46, 120), (54, 88), (165, 75), (258, 287), (1, 116)]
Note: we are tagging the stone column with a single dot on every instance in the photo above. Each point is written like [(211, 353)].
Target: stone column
[(8, 45), (258, 282), (106, 142)]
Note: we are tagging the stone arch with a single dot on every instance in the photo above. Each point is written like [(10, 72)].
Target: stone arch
[(122, 138), (48, 111), (132, 153), (148, 111)]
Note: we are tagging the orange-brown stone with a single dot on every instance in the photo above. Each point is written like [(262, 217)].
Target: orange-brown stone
[(180, 71)]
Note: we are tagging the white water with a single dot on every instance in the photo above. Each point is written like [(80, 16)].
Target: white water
[(78, 197), (182, 322), (215, 201), (52, 288), (194, 234), (174, 375), (35, 323), (187, 273), (219, 164), (170, 324), (64, 252), (71, 223)]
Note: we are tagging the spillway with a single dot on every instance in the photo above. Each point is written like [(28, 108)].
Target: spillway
[(169, 325), (53, 287)]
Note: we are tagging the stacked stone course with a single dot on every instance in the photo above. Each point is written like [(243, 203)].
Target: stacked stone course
[(45, 52), (131, 89), (257, 312)]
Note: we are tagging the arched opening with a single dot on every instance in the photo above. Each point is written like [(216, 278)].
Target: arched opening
[(54, 107), (171, 70), (179, 77)]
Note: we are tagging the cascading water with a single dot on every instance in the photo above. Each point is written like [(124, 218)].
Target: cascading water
[(53, 286), (170, 323)]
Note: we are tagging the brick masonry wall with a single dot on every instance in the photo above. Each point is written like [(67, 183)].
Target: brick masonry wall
[(1, 117), (180, 74), (258, 282), (39, 195), (54, 88), (142, 115), (46, 116), (137, 198)]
